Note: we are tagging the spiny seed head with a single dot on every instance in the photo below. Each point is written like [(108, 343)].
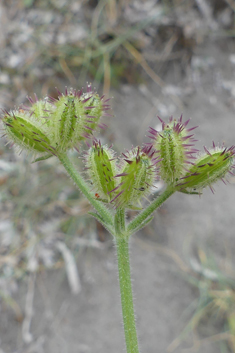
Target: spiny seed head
[(39, 109), (101, 168), (136, 177), (58, 124), (174, 146), (26, 132), (207, 169), (75, 117)]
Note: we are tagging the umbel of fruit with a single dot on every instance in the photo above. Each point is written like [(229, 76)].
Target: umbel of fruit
[(52, 126)]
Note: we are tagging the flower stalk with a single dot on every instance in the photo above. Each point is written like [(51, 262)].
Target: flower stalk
[(85, 189), (146, 214)]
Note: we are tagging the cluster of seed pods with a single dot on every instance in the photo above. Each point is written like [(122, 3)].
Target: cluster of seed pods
[(52, 126), (121, 181), (56, 125), (169, 157)]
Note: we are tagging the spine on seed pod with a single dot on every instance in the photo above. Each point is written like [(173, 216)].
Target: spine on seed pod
[(53, 126), (40, 110), (138, 174), (27, 132), (101, 168), (174, 147), (213, 165), (76, 116)]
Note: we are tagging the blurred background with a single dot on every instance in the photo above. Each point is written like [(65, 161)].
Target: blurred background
[(58, 278)]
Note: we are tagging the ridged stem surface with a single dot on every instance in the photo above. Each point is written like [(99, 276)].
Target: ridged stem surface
[(85, 189), (122, 245)]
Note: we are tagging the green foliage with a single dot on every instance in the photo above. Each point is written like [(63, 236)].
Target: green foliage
[(214, 313), (28, 3)]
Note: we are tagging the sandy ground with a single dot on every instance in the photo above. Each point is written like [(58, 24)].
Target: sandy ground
[(160, 256)]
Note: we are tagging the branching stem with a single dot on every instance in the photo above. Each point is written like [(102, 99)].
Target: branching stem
[(85, 189), (116, 225), (141, 217)]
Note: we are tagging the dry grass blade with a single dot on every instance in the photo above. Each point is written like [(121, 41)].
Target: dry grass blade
[(67, 71), (166, 251), (231, 3), (71, 268), (140, 60), (13, 305), (26, 334), (107, 74)]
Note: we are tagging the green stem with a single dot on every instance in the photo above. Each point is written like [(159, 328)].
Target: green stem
[(119, 221), (150, 209), (85, 189), (126, 294)]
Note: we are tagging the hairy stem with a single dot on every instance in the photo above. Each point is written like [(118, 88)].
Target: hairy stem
[(136, 223), (119, 221), (126, 294), (85, 189)]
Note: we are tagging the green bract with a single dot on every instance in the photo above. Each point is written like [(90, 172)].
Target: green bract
[(101, 168), (207, 169)]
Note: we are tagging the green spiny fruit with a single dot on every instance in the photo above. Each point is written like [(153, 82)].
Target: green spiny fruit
[(75, 117), (174, 146), (26, 133), (207, 169), (101, 167), (137, 176), (40, 110), (56, 125)]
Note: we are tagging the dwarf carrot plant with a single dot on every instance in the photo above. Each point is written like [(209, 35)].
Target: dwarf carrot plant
[(51, 127)]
